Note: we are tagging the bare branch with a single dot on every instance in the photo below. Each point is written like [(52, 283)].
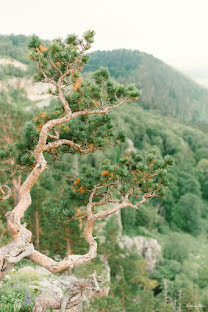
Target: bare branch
[(54, 136), (76, 147), (58, 143), (125, 203), (56, 67), (113, 210), (62, 98)]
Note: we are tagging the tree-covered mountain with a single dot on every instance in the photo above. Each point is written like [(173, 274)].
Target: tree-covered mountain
[(14, 47), (163, 88)]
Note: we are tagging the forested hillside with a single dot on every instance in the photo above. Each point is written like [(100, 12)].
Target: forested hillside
[(178, 222), (164, 89)]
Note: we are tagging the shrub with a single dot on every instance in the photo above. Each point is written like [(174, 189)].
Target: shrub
[(176, 248), (186, 214)]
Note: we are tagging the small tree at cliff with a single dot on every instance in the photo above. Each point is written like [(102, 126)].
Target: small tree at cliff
[(80, 123)]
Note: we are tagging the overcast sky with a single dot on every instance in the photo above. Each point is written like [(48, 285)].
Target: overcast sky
[(173, 30)]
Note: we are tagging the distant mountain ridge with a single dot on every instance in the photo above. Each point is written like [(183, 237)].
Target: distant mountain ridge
[(163, 89)]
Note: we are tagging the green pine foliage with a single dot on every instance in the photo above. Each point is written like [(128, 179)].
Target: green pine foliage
[(145, 174)]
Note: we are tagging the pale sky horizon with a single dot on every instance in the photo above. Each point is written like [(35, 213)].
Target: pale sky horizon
[(173, 30)]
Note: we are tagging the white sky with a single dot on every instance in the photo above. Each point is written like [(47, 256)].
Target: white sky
[(173, 30)]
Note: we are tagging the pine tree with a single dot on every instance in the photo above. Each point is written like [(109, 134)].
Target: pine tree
[(79, 123)]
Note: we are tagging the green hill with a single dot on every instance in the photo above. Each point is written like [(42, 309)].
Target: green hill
[(164, 89), (14, 47)]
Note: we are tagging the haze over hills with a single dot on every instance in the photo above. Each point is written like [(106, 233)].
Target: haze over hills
[(196, 68), (199, 74)]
